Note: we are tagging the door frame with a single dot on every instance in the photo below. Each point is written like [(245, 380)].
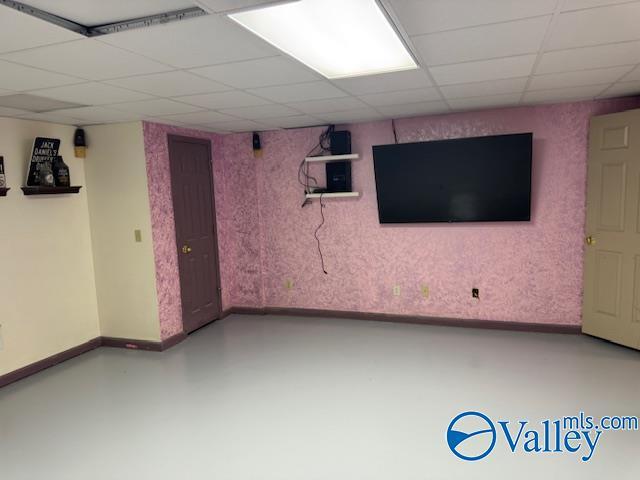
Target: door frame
[(171, 139)]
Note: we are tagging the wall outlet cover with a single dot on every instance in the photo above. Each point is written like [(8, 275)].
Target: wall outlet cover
[(425, 291)]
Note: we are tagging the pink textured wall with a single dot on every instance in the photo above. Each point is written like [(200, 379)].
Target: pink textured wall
[(527, 272)]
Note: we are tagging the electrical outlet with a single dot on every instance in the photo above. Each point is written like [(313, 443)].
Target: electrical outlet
[(137, 235), (288, 284), (475, 293), (396, 290), (425, 291)]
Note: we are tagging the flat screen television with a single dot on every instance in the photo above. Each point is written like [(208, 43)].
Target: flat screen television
[(479, 179)]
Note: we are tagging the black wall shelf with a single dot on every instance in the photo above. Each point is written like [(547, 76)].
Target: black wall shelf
[(49, 190), (3, 192)]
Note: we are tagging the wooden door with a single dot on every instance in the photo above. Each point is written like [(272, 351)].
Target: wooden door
[(194, 211), (612, 259)]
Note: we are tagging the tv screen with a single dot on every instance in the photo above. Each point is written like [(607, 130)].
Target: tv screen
[(480, 179)]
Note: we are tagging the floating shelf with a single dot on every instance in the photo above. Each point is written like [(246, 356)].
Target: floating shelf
[(333, 195), (333, 158), (49, 190), (3, 192)]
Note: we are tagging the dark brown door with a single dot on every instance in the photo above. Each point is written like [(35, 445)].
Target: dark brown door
[(194, 211)]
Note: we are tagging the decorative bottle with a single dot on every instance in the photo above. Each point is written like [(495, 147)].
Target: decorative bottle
[(61, 173)]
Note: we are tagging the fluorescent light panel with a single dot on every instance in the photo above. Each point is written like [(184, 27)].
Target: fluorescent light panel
[(337, 38)]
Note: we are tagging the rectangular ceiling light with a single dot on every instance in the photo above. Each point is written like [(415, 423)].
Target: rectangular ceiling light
[(337, 38)]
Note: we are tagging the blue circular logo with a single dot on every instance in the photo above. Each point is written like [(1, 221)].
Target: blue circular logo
[(471, 436)]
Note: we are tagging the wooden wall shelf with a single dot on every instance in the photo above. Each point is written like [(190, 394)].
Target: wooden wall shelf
[(3, 192), (49, 190)]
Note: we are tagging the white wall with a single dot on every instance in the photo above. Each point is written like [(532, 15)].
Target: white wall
[(47, 290), (118, 205)]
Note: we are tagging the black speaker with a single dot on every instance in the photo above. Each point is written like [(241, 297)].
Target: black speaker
[(338, 176), (340, 142)]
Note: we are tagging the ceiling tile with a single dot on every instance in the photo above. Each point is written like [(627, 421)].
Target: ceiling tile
[(297, 121), (91, 115), (582, 4), (193, 43), (19, 31), (576, 79), (627, 53), (94, 13), (477, 43), (156, 107), (633, 75), (34, 103), (299, 92), (328, 105), (166, 121), (420, 16), (563, 94), (507, 67), (87, 59), (262, 111), (414, 109), (219, 100), (262, 72), (239, 126), (473, 103), (93, 93), (51, 118), (200, 118), (405, 96), (595, 26), (385, 82), (11, 112), (623, 89), (205, 128), (21, 78), (483, 89), (170, 84), (351, 116)]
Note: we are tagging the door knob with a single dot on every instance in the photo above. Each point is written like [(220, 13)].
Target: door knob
[(186, 249), (590, 240)]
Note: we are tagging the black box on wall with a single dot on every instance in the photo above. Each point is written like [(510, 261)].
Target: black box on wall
[(338, 176), (340, 142)]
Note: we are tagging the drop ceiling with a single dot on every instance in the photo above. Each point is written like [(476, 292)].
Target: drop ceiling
[(209, 73)]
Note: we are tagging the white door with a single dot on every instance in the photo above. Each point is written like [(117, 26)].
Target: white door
[(612, 259)]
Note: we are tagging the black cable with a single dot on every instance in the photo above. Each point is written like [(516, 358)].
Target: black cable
[(315, 234), (324, 143), (395, 135)]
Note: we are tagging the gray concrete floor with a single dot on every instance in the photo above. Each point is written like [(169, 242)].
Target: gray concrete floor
[(269, 397)]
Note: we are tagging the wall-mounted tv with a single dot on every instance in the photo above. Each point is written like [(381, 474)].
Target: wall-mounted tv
[(479, 179)]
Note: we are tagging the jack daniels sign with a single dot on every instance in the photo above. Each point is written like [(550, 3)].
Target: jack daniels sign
[(45, 151)]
